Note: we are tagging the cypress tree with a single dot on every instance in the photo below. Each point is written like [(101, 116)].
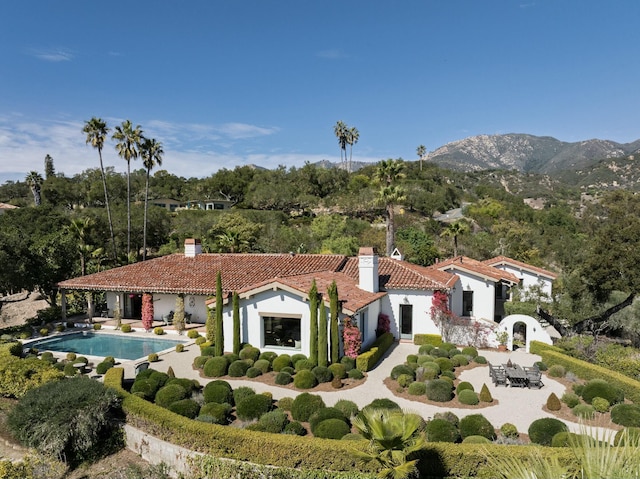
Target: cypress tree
[(323, 341), (236, 323), (313, 321), (333, 313), (219, 344)]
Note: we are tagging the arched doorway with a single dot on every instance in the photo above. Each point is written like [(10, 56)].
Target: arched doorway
[(529, 327), (518, 335)]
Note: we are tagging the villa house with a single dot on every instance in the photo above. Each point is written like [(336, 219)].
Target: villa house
[(273, 291), (531, 278)]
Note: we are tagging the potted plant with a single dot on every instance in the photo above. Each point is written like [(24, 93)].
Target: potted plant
[(502, 337)]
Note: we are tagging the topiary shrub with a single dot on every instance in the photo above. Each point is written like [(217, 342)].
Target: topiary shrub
[(445, 364), (253, 372), (241, 393), (188, 384), (71, 356), (199, 361), (600, 404), (468, 397), (69, 370), (336, 383), (355, 374), (249, 352), (322, 374), (253, 407), (285, 403), (601, 388), (459, 360), (283, 378), (263, 365), (480, 360), (144, 388), (476, 425), (185, 407), (282, 361), (159, 331), (238, 369), (439, 353), (470, 351), (268, 356), (153, 358), (218, 392), (288, 369), (540, 365), (200, 340), (541, 431), (179, 348), (571, 399), (159, 377), (103, 367), (426, 359), (627, 415), (215, 367), (295, 428), (404, 380), (338, 370), (417, 389), (448, 374), (509, 430), (193, 334), (475, 440), (332, 429), (304, 405), (305, 380), (125, 328), (553, 403), (348, 408), (427, 373), (298, 357), (441, 430), (273, 421), (207, 350), (215, 413), (439, 390), (401, 369), (464, 385), (323, 414), (485, 394), (348, 363), (426, 349), (412, 358), (584, 411), (167, 395), (557, 371)]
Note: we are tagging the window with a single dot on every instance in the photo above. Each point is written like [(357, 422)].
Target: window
[(281, 332), (218, 206), (467, 303), (360, 321)]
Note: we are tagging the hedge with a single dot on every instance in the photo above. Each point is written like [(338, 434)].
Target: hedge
[(432, 339), (552, 355), (367, 360)]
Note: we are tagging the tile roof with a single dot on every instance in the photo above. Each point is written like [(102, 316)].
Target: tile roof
[(7, 206), (469, 265), (504, 260)]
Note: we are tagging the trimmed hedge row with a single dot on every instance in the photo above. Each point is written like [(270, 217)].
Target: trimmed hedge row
[(367, 360), (552, 355), (433, 339), (438, 460)]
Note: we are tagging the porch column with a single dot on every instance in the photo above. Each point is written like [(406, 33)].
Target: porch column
[(63, 304), (90, 307)]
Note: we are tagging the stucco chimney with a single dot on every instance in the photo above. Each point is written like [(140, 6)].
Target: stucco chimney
[(192, 247), (368, 270)]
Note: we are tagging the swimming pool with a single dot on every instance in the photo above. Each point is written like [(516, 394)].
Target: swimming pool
[(88, 343)]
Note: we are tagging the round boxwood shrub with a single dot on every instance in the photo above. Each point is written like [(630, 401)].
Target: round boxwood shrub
[(475, 440), (325, 413), (125, 328), (448, 374), (509, 430), (249, 352), (460, 360), (476, 425), (283, 378), (382, 403), (159, 331), (284, 360), (480, 360), (439, 390), (355, 374), (404, 380), (71, 356), (207, 350), (425, 349), (159, 377), (417, 389), (601, 388), (553, 403), (218, 391), (600, 404), (448, 416), (468, 397), (348, 363), (427, 358), (304, 405), (541, 431), (295, 428), (103, 367), (563, 439), (432, 365), (464, 385), (447, 346), (144, 387), (445, 364), (305, 380), (193, 334), (540, 365), (273, 421), (238, 369), (557, 371), (263, 365), (200, 340), (322, 374), (153, 358), (199, 361), (348, 408), (268, 356), (352, 436), (241, 393), (412, 358), (215, 367), (338, 370), (285, 403), (297, 357), (584, 411), (217, 413), (188, 384), (179, 348), (441, 430), (253, 372), (401, 369), (571, 399), (332, 429), (69, 370), (427, 373), (288, 369), (169, 394), (627, 415), (470, 352), (185, 407), (253, 407)]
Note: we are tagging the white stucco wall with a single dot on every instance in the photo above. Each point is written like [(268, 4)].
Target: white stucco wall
[(164, 303), (483, 295), (529, 279), (533, 330), (421, 302)]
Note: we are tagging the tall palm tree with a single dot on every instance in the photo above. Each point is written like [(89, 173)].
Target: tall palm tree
[(151, 153), (454, 230), (129, 139), (340, 129), (421, 151), (34, 180), (388, 173), (394, 438), (353, 135), (96, 131)]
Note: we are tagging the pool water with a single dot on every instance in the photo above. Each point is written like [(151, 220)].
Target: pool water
[(117, 345)]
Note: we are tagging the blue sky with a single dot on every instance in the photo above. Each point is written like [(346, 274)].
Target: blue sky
[(227, 83)]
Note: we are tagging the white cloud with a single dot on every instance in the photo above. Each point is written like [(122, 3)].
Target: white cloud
[(53, 55)]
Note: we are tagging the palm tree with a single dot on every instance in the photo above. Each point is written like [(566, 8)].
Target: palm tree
[(79, 228), (421, 151), (341, 131), (388, 173), (454, 230), (394, 438), (96, 131), (34, 180), (151, 153), (353, 135), (129, 140)]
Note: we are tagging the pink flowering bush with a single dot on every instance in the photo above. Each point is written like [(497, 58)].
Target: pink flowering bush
[(351, 339), (384, 325), (147, 311)]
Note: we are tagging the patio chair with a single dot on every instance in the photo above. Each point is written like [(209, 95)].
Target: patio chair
[(168, 318), (142, 366), (534, 377)]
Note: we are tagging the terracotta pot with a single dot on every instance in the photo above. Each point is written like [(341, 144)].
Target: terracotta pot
[(502, 347)]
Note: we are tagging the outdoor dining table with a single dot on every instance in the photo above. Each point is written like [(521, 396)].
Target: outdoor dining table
[(516, 375)]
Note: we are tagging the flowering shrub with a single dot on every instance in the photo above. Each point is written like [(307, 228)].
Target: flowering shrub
[(384, 325), (351, 339), (147, 311)]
